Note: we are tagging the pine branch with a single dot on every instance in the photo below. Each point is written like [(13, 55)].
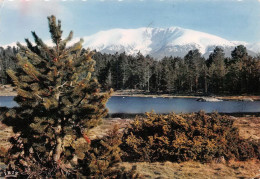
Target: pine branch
[(40, 43)]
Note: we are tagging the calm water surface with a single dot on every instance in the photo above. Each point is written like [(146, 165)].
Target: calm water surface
[(7, 101), (120, 104)]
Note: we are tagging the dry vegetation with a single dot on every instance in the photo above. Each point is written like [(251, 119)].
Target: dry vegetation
[(248, 128), (191, 169), (7, 90), (5, 133)]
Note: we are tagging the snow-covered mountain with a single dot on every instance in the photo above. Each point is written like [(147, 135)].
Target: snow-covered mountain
[(160, 42)]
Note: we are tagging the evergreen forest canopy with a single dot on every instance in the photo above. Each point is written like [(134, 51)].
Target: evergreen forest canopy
[(192, 74)]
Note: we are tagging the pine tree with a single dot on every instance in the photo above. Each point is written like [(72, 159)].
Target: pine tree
[(217, 69), (193, 62), (59, 100)]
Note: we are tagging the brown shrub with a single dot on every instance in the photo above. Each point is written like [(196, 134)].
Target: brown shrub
[(196, 136), (102, 159)]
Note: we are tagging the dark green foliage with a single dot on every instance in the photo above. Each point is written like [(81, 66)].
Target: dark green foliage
[(193, 62), (101, 161), (103, 155), (192, 74), (217, 70), (7, 61), (176, 138), (239, 53), (59, 101)]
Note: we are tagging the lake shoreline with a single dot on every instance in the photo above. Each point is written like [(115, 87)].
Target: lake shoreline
[(8, 90), (139, 93), (224, 98)]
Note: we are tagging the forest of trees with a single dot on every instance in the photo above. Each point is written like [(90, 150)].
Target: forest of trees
[(7, 60), (192, 74)]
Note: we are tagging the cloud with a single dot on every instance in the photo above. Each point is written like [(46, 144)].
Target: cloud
[(30, 16), (35, 8)]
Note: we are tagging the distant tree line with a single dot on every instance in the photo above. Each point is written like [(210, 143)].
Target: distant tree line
[(7, 60), (218, 74), (192, 74)]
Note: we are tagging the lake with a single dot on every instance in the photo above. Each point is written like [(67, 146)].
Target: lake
[(124, 104)]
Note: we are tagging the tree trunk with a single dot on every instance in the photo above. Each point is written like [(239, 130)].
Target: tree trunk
[(58, 149), (205, 85)]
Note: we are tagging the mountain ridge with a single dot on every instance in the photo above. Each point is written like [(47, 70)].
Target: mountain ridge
[(160, 42)]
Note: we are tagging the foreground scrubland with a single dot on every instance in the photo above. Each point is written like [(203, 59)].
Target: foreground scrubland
[(217, 167)]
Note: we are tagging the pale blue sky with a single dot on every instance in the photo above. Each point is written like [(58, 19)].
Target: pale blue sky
[(231, 19)]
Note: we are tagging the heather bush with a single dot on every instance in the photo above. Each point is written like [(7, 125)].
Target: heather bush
[(103, 157), (196, 136)]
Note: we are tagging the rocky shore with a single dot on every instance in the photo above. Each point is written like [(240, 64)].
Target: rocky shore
[(139, 93)]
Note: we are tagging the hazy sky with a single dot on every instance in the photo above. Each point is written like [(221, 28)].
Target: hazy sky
[(231, 19)]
